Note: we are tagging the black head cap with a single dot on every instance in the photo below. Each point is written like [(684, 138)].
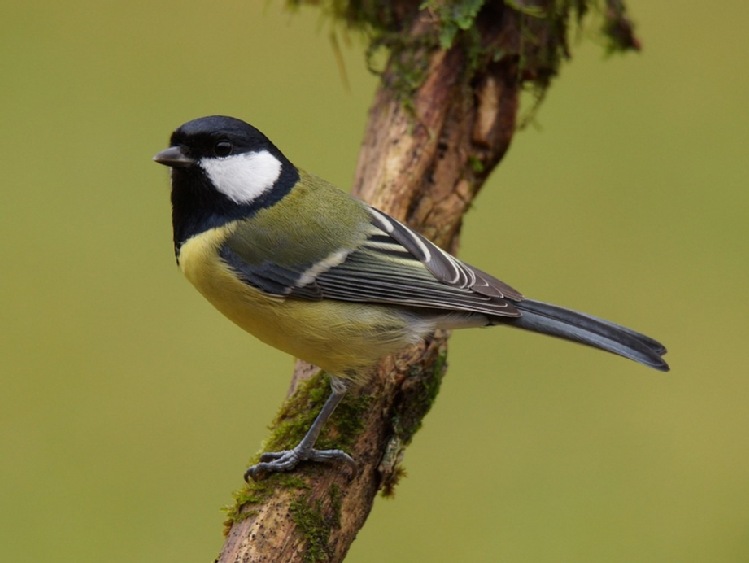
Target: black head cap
[(220, 136), (196, 204)]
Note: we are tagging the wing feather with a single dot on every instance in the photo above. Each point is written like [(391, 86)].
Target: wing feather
[(393, 265), (444, 266)]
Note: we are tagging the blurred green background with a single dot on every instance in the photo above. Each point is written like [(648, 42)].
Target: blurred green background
[(129, 407)]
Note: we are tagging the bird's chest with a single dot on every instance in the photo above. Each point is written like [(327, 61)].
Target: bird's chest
[(287, 325), (199, 260), (337, 336)]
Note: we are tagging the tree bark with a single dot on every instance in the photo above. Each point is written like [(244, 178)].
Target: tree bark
[(422, 162)]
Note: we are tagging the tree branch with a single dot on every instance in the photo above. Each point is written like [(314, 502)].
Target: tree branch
[(423, 159)]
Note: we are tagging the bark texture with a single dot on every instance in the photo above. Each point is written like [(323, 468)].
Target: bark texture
[(422, 162)]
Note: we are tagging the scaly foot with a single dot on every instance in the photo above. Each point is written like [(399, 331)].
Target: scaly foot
[(287, 460)]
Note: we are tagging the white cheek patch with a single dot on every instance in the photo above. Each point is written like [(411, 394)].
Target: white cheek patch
[(243, 177)]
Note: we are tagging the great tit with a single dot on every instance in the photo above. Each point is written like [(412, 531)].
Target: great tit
[(323, 276)]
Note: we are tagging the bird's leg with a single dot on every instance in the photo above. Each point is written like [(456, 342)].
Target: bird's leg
[(275, 462)]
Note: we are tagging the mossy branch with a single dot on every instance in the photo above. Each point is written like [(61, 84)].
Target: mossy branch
[(443, 117)]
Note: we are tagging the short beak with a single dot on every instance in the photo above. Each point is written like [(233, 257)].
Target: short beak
[(174, 157)]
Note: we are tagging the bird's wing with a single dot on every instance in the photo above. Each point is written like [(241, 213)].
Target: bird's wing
[(445, 267), (391, 265)]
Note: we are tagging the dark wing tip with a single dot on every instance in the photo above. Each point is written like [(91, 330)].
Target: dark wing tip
[(486, 284)]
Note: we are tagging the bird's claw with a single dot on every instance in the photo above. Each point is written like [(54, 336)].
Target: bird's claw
[(287, 460)]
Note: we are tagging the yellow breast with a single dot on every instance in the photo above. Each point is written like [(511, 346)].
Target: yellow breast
[(342, 338)]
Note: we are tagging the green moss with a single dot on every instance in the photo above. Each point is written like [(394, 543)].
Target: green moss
[(363, 15), (618, 30), (408, 61), (289, 426), (539, 48), (311, 523), (476, 165), (389, 484), (527, 8), (315, 522), (255, 493), (421, 396), (336, 502), (297, 414), (416, 399), (454, 17), (346, 423)]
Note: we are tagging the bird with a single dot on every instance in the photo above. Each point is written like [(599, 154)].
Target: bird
[(321, 275)]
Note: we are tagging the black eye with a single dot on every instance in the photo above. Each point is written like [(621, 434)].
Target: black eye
[(222, 148)]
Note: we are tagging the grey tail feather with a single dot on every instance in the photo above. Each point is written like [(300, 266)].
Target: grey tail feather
[(591, 331)]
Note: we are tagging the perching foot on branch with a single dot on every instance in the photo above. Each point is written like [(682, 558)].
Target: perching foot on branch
[(287, 460), (278, 462)]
